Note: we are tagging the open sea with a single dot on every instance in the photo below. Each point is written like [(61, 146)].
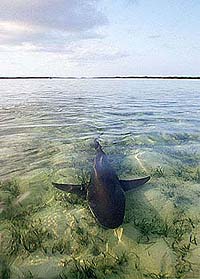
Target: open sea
[(146, 127)]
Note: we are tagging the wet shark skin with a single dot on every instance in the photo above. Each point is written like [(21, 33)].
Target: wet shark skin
[(105, 195)]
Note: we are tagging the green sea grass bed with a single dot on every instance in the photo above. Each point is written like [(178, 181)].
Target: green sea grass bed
[(46, 233)]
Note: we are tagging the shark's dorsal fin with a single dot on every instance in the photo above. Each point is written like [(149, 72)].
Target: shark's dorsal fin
[(128, 185), (71, 188)]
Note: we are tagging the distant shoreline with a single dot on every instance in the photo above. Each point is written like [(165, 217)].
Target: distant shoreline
[(107, 77)]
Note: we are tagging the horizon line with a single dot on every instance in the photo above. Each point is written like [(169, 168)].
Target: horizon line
[(101, 77)]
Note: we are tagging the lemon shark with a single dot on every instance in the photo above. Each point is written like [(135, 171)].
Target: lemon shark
[(106, 192)]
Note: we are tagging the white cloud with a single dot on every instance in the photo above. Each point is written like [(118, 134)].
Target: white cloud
[(96, 51), (87, 51), (12, 33)]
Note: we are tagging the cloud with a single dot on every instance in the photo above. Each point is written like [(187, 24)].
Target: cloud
[(66, 15), (88, 52), (12, 33), (72, 28), (49, 23)]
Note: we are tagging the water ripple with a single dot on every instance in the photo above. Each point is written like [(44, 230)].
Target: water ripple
[(53, 111)]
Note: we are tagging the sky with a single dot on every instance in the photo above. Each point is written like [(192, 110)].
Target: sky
[(99, 37)]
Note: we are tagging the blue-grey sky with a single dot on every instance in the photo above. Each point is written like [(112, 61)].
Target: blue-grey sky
[(99, 37)]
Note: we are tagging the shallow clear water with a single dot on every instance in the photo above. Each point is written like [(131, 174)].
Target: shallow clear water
[(146, 127)]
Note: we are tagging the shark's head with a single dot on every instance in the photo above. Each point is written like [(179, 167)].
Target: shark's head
[(97, 145)]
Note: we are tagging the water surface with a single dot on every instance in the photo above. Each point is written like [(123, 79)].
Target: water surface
[(146, 127)]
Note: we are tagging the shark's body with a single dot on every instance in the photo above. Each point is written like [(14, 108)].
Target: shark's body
[(105, 193)]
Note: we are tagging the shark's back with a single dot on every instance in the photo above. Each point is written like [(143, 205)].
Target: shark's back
[(105, 195)]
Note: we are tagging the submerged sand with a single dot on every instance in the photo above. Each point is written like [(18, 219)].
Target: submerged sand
[(45, 233)]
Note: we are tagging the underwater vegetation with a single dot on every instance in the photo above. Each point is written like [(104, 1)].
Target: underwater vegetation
[(48, 233), (102, 267)]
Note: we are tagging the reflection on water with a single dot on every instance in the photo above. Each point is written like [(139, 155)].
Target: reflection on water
[(146, 127)]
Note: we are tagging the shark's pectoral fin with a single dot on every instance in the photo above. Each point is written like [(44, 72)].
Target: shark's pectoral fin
[(70, 188), (128, 185)]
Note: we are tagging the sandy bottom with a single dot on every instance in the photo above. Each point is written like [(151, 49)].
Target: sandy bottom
[(45, 233)]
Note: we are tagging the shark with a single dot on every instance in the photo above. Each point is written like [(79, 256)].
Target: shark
[(105, 192)]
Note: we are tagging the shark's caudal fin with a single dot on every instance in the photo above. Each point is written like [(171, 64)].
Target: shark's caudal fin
[(70, 188), (128, 185)]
